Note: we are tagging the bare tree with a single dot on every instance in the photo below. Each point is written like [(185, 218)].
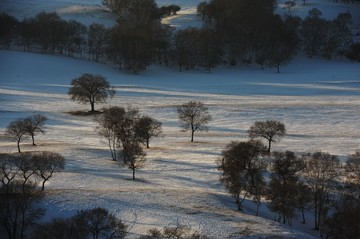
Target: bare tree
[(102, 224), (46, 164), (271, 130), (108, 126), (89, 88), (147, 127), (134, 155), (91, 223), (26, 168), (353, 172), (242, 168), (322, 172), (8, 170), (125, 128), (19, 210), (178, 231), (289, 5), (343, 223), (283, 185), (194, 116), (35, 124), (202, 9), (17, 131), (303, 199)]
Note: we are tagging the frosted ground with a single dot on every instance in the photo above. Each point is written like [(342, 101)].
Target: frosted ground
[(318, 100)]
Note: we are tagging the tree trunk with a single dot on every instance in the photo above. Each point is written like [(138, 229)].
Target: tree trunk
[(33, 140), (278, 68), (18, 146), (269, 147), (316, 215), (303, 216), (147, 143), (257, 207), (92, 103), (192, 136), (43, 185), (133, 173), (239, 206)]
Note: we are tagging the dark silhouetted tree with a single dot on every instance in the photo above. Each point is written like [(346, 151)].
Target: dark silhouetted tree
[(35, 124), (344, 222), (270, 130), (322, 172), (19, 210), (8, 171), (352, 168), (26, 169), (202, 9), (108, 126), (102, 224), (89, 88), (8, 30), (312, 32), (91, 223), (353, 53), (46, 163), (147, 127), (194, 116), (61, 228), (48, 31), (284, 184), (178, 231), (303, 199), (97, 35), (241, 169), (289, 4), (282, 44), (134, 155), (17, 131)]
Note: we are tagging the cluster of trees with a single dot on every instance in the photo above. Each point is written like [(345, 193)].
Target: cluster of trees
[(126, 129), (19, 195), (22, 128), (245, 32), (252, 33), (179, 231), (327, 38), (91, 223), (169, 10), (297, 184)]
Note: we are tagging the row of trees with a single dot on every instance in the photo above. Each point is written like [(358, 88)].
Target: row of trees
[(20, 196), (296, 184), (249, 33), (234, 32)]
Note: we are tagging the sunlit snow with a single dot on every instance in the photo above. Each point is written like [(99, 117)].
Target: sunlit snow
[(318, 101)]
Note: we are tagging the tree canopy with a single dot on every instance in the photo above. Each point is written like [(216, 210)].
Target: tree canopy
[(194, 116), (89, 88)]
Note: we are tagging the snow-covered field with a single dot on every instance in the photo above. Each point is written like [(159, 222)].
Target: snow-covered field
[(318, 100)]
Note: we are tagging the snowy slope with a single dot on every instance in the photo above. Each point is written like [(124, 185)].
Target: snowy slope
[(179, 183), (318, 100)]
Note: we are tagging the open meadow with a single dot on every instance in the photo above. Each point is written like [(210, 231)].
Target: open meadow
[(318, 101)]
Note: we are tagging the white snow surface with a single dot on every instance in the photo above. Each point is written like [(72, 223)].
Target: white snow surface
[(318, 101)]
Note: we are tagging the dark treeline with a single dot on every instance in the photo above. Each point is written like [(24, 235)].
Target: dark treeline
[(233, 32)]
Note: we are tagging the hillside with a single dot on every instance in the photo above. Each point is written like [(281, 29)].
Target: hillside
[(318, 101)]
